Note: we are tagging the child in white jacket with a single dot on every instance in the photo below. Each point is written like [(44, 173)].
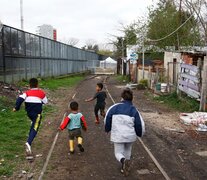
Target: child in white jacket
[(125, 123)]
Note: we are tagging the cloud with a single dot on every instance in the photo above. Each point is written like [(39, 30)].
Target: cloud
[(83, 19)]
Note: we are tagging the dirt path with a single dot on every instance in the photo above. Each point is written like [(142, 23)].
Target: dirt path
[(174, 151), (98, 161)]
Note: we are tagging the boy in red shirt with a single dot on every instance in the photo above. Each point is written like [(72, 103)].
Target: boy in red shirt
[(74, 122)]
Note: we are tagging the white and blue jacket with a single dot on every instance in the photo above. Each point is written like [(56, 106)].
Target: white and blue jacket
[(125, 122)]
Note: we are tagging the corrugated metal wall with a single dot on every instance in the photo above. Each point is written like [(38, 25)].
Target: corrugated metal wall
[(24, 55)]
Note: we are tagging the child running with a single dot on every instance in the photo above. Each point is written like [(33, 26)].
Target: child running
[(74, 122), (34, 99), (125, 124), (100, 103)]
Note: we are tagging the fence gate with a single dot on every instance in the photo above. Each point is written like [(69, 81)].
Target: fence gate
[(190, 80)]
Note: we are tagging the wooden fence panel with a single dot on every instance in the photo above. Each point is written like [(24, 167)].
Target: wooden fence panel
[(189, 80)]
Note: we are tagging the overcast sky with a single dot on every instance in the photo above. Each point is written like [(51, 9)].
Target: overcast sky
[(82, 19)]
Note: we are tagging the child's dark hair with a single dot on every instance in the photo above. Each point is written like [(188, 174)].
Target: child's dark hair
[(100, 85), (74, 106), (33, 82), (127, 94)]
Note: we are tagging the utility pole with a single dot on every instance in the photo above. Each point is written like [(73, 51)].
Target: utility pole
[(122, 51), (179, 23), (21, 15), (143, 66)]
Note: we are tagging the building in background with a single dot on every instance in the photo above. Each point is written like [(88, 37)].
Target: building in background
[(47, 31)]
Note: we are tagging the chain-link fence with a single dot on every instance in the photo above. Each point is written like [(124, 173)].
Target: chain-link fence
[(24, 55)]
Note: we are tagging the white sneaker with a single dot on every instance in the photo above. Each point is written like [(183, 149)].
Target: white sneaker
[(28, 148)]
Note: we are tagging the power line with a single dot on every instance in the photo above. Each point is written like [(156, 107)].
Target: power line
[(156, 40)]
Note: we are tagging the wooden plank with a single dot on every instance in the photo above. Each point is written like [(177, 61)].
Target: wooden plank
[(189, 85), (204, 89), (189, 92), (190, 67), (192, 78)]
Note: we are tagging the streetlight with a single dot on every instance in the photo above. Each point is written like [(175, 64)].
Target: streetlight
[(21, 15)]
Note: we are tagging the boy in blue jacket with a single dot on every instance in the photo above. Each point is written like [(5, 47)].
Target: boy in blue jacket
[(125, 123)]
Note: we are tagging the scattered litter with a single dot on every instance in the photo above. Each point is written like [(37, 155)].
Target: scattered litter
[(39, 155), (6, 87), (20, 176), (2, 160), (30, 176), (29, 157), (131, 86), (195, 118), (202, 153), (175, 130), (158, 112), (3, 110), (181, 159), (0, 163), (202, 128), (16, 156), (143, 171), (24, 172), (148, 110)]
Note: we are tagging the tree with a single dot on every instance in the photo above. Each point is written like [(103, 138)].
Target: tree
[(166, 18), (72, 41), (199, 7), (91, 45), (105, 52)]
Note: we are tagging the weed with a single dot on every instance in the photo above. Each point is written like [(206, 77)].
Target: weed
[(144, 82), (121, 79), (184, 104), (54, 83)]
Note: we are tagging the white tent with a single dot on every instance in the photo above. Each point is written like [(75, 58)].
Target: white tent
[(108, 63)]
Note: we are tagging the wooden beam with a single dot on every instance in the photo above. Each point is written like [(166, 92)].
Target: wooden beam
[(189, 92), (195, 87), (192, 78), (204, 89), (190, 67)]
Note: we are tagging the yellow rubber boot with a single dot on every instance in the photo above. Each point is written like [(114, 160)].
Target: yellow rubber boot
[(71, 145), (80, 142)]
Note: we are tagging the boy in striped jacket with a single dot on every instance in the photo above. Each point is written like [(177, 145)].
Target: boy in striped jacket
[(125, 123), (34, 98)]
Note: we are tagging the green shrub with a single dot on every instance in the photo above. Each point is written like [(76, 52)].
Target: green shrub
[(144, 82), (183, 104)]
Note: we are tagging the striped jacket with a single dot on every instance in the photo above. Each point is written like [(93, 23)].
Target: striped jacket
[(125, 122), (34, 98)]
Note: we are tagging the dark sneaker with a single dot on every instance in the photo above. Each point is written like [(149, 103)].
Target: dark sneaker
[(125, 167), (97, 121), (103, 114), (72, 152), (80, 148)]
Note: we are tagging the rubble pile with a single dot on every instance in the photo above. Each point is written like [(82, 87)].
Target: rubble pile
[(198, 119)]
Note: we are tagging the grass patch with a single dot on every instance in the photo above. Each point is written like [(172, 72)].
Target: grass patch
[(122, 79), (13, 133), (184, 104), (14, 127), (54, 83)]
